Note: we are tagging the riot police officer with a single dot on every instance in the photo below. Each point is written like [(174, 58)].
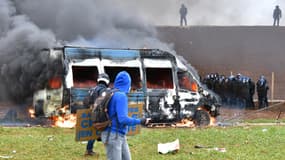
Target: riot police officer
[(262, 88)]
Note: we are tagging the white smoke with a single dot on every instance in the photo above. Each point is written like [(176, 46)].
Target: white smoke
[(208, 12)]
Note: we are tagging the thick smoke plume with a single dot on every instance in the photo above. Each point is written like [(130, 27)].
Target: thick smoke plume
[(22, 67), (27, 26), (108, 23)]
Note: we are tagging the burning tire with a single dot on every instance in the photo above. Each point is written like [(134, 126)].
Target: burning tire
[(201, 118)]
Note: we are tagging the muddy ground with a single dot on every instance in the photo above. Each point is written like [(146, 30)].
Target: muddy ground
[(275, 111)]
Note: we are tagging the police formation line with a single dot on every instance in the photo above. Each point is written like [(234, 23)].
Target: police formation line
[(238, 90)]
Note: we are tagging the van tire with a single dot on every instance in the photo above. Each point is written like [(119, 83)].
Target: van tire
[(201, 118), (39, 108)]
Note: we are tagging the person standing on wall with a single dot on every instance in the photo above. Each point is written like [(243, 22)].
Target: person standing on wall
[(277, 14), (183, 12), (103, 81), (114, 136)]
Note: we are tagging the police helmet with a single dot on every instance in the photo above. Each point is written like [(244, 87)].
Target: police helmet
[(103, 77)]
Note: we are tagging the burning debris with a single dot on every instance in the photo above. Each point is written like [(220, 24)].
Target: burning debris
[(32, 113), (15, 117), (64, 121), (184, 123)]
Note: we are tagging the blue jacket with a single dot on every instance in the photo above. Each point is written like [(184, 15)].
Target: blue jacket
[(118, 105)]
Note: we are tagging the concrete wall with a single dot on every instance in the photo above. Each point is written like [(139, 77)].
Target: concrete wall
[(249, 50)]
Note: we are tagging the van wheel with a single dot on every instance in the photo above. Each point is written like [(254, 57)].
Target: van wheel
[(201, 118), (39, 108)]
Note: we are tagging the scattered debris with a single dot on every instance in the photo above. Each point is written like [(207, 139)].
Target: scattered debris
[(84, 142), (50, 137), (211, 148), (160, 125), (200, 146), (6, 157), (171, 147), (264, 130), (219, 149), (242, 115)]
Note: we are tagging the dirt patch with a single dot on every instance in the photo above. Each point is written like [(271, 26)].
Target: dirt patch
[(275, 111)]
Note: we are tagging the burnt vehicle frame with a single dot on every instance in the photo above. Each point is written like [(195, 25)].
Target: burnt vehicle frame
[(162, 81)]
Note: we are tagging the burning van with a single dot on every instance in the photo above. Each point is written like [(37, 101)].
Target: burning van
[(165, 84)]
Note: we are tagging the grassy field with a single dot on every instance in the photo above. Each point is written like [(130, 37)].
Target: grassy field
[(240, 143)]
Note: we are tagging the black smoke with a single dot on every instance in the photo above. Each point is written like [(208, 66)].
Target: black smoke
[(22, 67), (27, 26), (108, 23)]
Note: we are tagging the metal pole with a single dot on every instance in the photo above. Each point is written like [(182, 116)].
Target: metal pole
[(272, 86)]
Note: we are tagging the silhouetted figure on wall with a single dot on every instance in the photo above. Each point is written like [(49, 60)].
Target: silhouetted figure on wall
[(277, 14), (183, 13), (262, 88)]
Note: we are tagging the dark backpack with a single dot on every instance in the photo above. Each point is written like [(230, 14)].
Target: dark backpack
[(99, 115)]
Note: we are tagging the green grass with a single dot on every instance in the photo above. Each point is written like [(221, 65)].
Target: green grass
[(241, 143)]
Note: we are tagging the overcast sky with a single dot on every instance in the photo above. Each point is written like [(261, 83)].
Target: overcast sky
[(208, 12)]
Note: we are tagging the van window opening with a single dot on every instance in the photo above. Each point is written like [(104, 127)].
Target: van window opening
[(185, 82), (84, 76), (159, 78), (134, 73)]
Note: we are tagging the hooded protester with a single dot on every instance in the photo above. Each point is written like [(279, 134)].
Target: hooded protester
[(114, 137)]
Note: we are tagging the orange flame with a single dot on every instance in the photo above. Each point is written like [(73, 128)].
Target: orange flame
[(185, 123), (32, 113), (65, 121), (188, 123), (213, 121)]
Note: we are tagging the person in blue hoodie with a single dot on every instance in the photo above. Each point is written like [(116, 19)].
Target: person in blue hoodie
[(114, 137)]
